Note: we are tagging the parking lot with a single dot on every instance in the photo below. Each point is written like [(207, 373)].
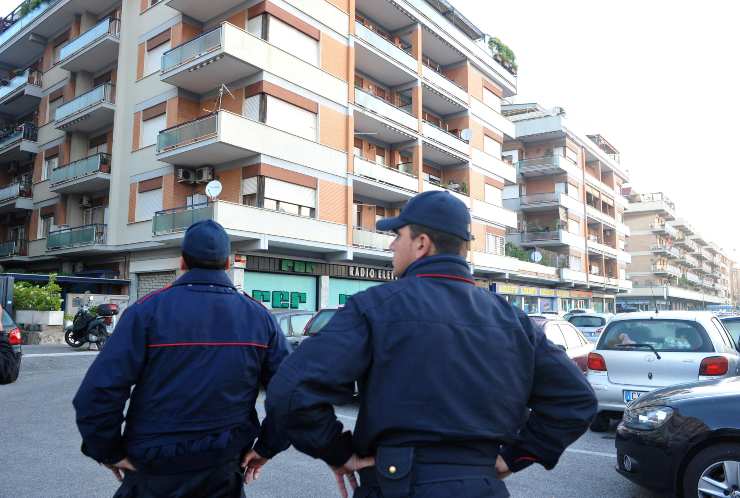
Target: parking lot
[(41, 457)]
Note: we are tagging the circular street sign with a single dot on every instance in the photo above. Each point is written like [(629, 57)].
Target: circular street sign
[(213, 189), (536, 256)]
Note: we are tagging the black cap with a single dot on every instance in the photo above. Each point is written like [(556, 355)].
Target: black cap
[(435, 209), (206, 240)]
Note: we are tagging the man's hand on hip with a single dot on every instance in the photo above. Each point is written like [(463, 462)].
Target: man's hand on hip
[(502, 470), (347, 471), (118, 468), (252, 465)]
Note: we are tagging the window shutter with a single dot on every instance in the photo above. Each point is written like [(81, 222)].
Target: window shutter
[(290, 118), (293, 41), (148, 203), (252, 107), (249, 185), (289, 192)]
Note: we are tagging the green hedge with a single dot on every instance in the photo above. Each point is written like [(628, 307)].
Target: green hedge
[(27, 296)]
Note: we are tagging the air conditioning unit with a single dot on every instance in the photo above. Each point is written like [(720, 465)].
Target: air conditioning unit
[(204, 174), (85, 201), (185, 175)]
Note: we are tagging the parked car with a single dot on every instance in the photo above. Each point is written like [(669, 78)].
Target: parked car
[(565, 335), (292, 323), (640, 352), (13, 334), (590, 324), (544, 316), (319, 321), (578, 311), (684, 440), (732, 323)]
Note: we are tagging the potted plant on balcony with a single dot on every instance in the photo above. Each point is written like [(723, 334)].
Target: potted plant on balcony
[(39, 305), (503, 54), (28, 6)]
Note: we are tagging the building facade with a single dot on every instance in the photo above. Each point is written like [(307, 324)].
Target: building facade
[(673, 266), (568, 199)]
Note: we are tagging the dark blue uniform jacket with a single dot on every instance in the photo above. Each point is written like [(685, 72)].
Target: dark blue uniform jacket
[(195, 354), (440, 363)]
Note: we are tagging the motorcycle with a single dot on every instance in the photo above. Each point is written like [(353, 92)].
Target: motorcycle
[(90, 327)]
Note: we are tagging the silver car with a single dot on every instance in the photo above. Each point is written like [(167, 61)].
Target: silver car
[(590, 324), (640, 352)]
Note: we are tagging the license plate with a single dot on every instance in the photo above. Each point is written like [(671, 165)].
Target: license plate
[(632, 395)]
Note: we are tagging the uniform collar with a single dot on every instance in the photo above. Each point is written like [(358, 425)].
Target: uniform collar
[(442, 266), (201, 276)]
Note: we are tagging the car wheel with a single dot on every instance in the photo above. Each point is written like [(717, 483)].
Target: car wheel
[(601, 423), (714, 471)]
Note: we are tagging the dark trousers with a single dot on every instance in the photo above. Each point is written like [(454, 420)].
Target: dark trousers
[(467, 488), (224, 481)]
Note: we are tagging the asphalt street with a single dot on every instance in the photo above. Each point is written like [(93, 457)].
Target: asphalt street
[(40, 457)]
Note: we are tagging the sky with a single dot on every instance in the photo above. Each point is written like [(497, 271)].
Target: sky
[(659, 79)]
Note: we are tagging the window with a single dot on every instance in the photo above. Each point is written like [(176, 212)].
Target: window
[(380, 156), (196, 200), (379, 213), (289, 197), (298, 323), (254, 25), (358, 147), (491, 146), (50, 163), (53, 105), (723, 333), (252, 107), (663, 335), (495, 244), (150, 128), (98, 145), (734, 327), (45, 226), (290, 118), (572, 339), (492, 195), (293, 41), (574, 227), (587, 321), (153, 57), (554, 335), (491, 100), (148, 203)]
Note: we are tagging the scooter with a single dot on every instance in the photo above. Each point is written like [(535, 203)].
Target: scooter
[(89, 327)]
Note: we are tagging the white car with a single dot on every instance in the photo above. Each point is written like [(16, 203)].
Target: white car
[(640, 352), (590, 324)]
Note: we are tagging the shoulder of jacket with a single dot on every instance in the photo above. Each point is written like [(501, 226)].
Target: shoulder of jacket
[(154, 294), (379, 294)]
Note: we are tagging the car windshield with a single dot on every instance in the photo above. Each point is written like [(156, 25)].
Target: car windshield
[(320, 321), (663, 335), (734, 327), (587, 321), (8, 322)]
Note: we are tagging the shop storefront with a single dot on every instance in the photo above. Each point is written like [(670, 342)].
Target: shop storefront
[(542, 299), (278, 291)]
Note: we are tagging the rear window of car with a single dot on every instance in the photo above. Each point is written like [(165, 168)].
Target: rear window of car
[(587, 321), (663, 335), (8, 322), (734, 327), (298, 323), (320, 321)]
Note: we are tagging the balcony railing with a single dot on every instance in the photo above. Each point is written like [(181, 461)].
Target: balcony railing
[(14, 22), (446, 137), (540, 236), (382, 107), (671, 270), (25, 131), (14, 248), (546, 165), (101, 94), (401, 176), (443, 82), (371, 239), (97, 163), (197, 47), (16, 190), (180, 218), (104, 28), (69, 238), (377, 41), (27, 77), (186, 133), (542, 198)]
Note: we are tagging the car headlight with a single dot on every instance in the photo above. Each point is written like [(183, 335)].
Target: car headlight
[(648, 418)]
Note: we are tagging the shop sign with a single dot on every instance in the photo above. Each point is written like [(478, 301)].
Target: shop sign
[(507, 289), (281, 299), (294, 266), (547, 292), (369, 273), (528, 291), (563, 293)]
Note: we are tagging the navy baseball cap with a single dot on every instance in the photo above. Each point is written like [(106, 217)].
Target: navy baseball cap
[(206, 240), (435, 209)]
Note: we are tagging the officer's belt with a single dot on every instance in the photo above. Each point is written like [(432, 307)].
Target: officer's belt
[(397, 470)]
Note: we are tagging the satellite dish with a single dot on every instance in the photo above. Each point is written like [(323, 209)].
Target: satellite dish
[(466, 134), (213, 189), (535, 257)]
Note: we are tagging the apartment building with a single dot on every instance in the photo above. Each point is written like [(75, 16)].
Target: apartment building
[(318, 117), (569, 203), (673, 266)]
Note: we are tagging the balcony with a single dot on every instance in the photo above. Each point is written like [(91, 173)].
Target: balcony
[(88, 112), (13, 248), (228, 53), (595, 182), (600, 216), (385, 47), (544, 202), (666, 270), (77, 237), (445, 138), (493, 214), (21, 94), (446, 85), (204, 11), (546, 238), (19, 144), (368, 239), (547, 166), (574, 276), (664, 250), (386, 175), (252, 223), (594, 245), (224, 136), (494, 165), (91, 174), (693, 278), (650, 203), (464, 197), (94, 49), (690, 260), (385, 109), (492, 118), (663, 229), (16, 196)]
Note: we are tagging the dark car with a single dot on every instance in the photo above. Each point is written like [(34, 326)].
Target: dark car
[(684, 439), (569, 338), (733, 325), (319, 321), (13, 334), (293, 323)]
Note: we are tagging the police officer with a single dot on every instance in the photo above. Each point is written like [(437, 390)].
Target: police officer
[(195, 354), (447, 373)]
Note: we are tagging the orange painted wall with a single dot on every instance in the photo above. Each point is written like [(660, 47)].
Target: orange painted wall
[(332, 202), (475, 84), (232, 182), (332, 128), (132, 203), (239, 19), (540, 186), (141, 54), (458, 74), (333, 57), (175, 194), (183, 32), (342, 5), (477, 185), (136, 131)]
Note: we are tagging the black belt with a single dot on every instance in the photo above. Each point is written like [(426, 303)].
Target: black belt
[(397, 470)]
